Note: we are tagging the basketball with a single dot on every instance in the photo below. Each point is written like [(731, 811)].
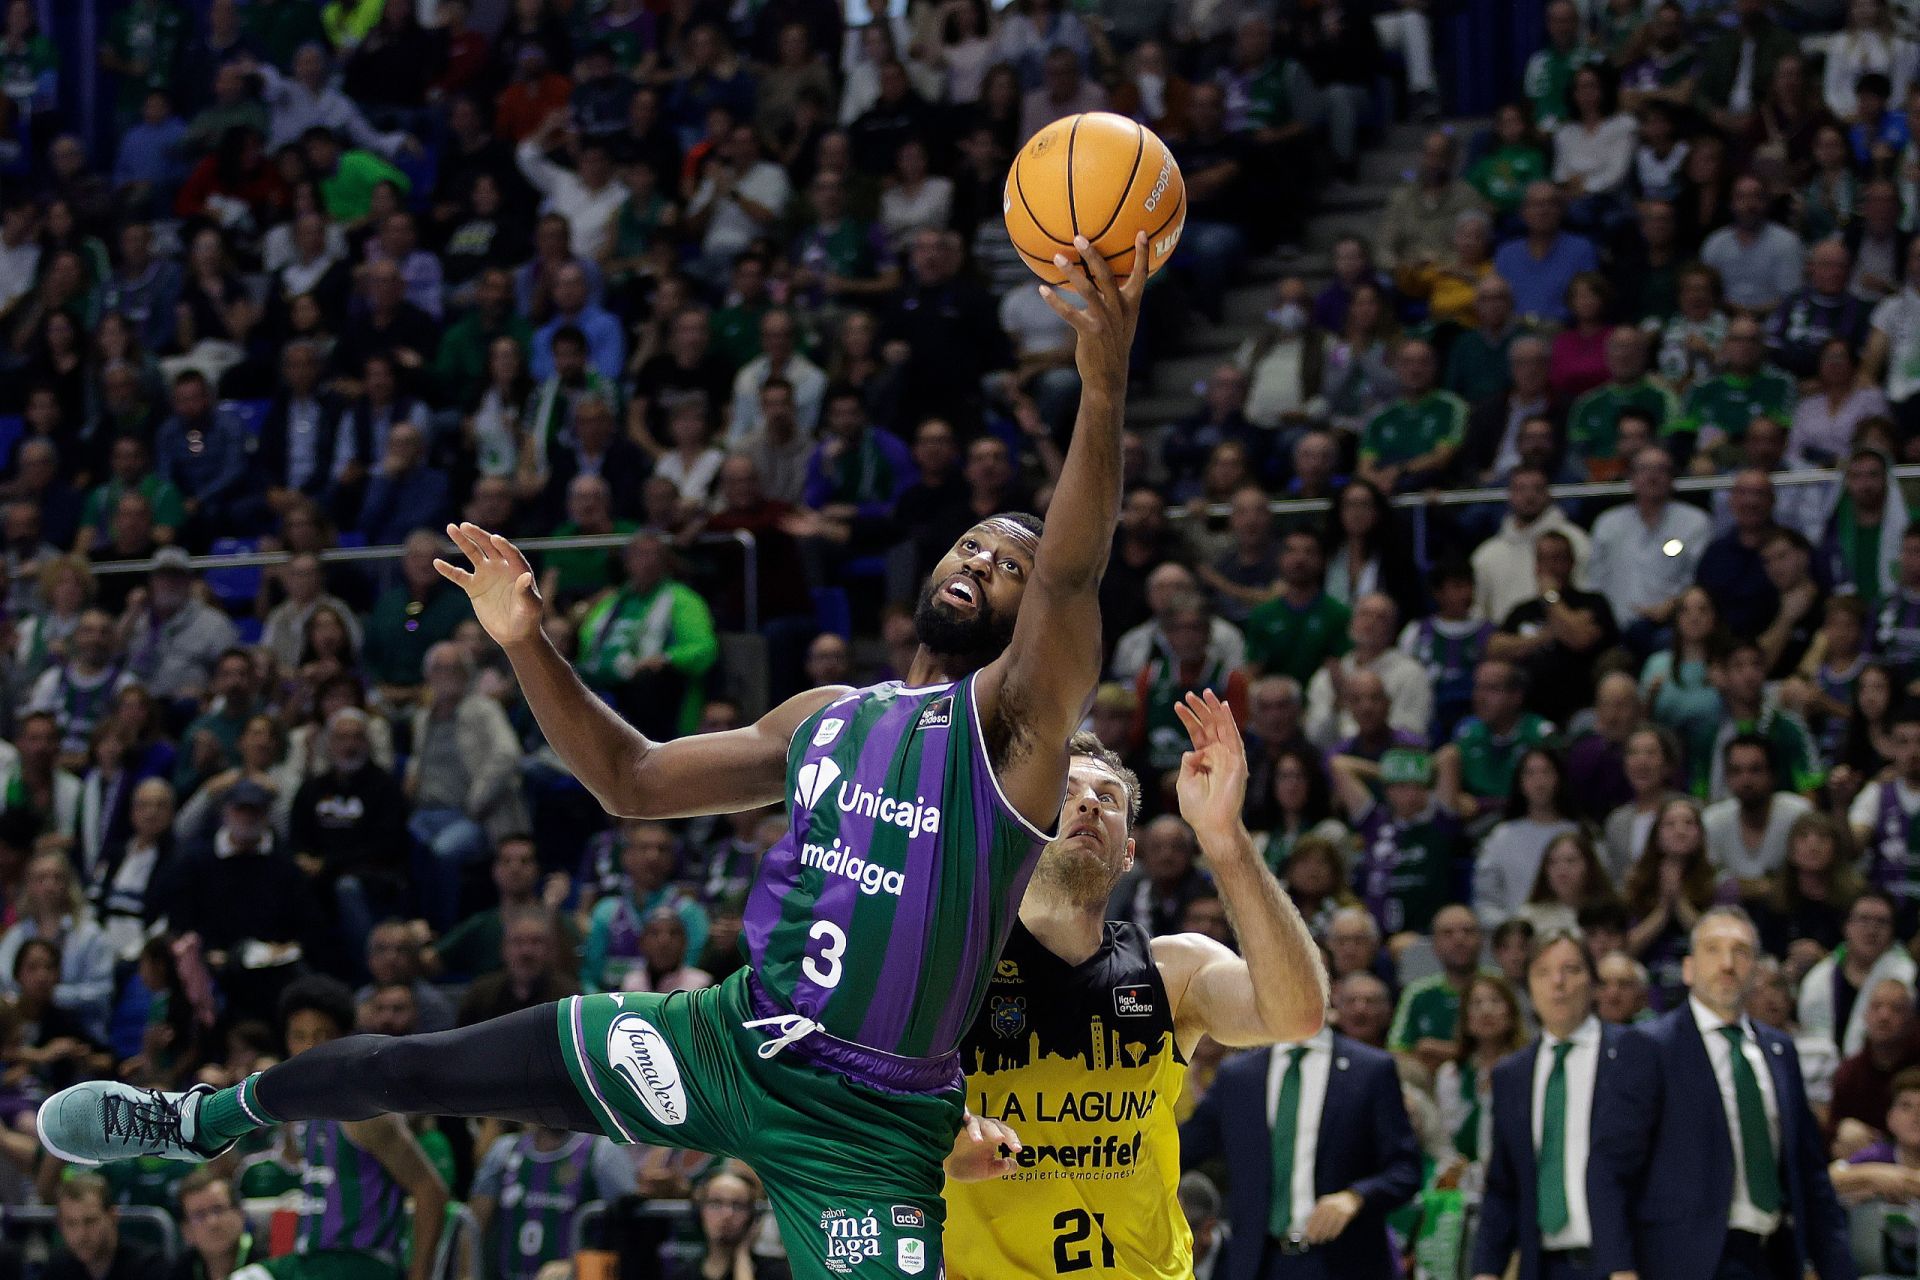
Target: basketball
[(1101, 176)]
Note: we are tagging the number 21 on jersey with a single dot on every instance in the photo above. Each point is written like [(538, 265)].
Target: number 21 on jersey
[(1074, 1226)]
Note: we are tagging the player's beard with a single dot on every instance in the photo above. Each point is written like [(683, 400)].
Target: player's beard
[(1074, 876), (974, 641)]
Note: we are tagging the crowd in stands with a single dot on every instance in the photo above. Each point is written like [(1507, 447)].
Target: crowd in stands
[(668, 274)]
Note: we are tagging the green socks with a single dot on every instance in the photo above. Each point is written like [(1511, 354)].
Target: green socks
[(230, 1114)]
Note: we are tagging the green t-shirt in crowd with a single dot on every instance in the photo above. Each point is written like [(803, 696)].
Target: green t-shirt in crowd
[(348, 190), (1289, 641), (1408, 429), (671, 621), (1487, 761), (586, 570), (1593, 424), (1504, 175), (1429, 1010), (169, 509), (1730, 401)]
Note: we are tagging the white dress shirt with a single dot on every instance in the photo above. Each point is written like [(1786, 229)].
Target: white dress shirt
[(1314, 1069), (1742, 1215), (1583, 1066), (1636, 565)]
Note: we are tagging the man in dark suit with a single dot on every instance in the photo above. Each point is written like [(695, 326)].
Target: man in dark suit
[(1309, 1191), (1707, 1162), (1537, 1197), (297, 438)]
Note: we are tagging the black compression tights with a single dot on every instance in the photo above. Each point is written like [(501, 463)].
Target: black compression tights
[(509, 1068)]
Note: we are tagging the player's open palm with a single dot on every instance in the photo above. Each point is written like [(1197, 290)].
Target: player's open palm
[(1213, 775), (500, 585)]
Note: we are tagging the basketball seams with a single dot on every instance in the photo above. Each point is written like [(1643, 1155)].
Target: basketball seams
[(1139, 150), (1020, 190), (1073, 214)]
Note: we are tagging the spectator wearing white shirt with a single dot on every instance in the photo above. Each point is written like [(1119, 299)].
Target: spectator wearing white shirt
[(1043, 349), (739, 199), (1645, 553), (916, 200), (1408, 687), (1593, 152), (305, 100), (1868, 44), (589, 198), (19, 251), (779, 358), (1893, 347), (1747, 831), (1760, 262)]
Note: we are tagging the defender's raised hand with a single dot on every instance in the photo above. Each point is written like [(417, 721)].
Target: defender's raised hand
[(1213, 775), (500, 585), (1104, 327)]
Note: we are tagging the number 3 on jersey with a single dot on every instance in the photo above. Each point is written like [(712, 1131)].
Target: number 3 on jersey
[(823, 967), (1074, 1226)]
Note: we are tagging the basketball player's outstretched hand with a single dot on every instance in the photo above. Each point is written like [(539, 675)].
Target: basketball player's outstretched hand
[(500, 584), (1104, 327), (977, 1150), (1213, 775)]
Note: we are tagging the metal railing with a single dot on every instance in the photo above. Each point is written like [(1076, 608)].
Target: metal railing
[(748, 544)]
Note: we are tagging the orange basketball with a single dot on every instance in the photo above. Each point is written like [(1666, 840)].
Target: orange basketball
[(1101, 176)]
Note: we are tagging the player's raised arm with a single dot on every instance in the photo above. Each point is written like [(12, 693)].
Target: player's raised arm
[(1276, 988), (1035, 693), (631, 776)]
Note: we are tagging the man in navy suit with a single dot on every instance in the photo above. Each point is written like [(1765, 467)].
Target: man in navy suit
[(1308, 1192), (1707, 1163), (1537, 1197)]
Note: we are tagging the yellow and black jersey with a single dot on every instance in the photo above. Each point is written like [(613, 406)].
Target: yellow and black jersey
[(1081, 1061)]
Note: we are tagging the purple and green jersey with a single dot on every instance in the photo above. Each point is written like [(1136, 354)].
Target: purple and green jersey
[(880, 912), (352, 1202)]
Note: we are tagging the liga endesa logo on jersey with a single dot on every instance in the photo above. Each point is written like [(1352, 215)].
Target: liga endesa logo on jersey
[(639, 1053)]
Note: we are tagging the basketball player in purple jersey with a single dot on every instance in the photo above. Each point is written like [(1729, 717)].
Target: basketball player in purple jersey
[(917, 813)]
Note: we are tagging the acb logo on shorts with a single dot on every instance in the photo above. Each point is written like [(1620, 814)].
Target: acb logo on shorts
[(907, 1216)]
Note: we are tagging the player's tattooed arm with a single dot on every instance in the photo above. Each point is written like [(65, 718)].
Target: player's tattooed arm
[(1048, 672), (630, 775), (388, 1140), (1276, 988)]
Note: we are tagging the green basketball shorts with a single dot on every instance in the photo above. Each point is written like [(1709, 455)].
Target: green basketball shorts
[(853, 1173), (328, 1264)]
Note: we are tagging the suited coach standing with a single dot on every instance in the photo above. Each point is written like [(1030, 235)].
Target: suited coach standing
[(1308, 1191), (1707, 1163), (1536, 1197)]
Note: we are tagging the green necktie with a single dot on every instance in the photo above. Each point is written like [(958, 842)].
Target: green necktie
[(1551, 1177), (1286, 1120), (1756, 1141)]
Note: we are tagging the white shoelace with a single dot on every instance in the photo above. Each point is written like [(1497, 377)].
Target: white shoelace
[(793, 1028)]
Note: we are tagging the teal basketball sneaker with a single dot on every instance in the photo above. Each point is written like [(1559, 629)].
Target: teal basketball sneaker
[(100, 1121)]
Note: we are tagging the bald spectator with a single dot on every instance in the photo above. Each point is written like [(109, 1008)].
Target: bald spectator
[(385, 324), (1863, 1083), (1480, 365), (1541, 263), (1419, 219), (573, 307), (1165, 878), (1363, 1007), (1408, 688), (1760, 262), (404, 493), (1166, 585), (1064, 90), (1621, 997), (779, 359), (1284, 359), (1645, 554), (1821, 311)]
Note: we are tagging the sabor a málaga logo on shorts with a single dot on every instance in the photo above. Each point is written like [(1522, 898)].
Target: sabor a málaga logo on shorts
[(850, 1240), (639, 1054)]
